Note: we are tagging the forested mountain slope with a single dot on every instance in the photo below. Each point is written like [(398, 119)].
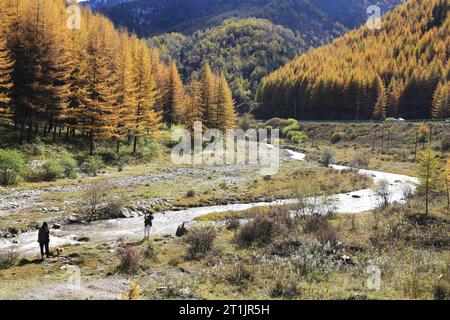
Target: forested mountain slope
[(400, 70), (318, 20), (244, 50)]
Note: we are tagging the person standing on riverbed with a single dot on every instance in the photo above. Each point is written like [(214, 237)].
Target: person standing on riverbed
[(44, 240), (147, 225)]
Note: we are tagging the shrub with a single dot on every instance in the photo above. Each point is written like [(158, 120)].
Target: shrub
[(108, 156), (240, 274), (445, 143), (314, 261), (130, 260), (273, 123), (200, 242), (11, 166), (232, 223), (150, 251), (336, 137), (247, 121), (8, 259), (69, 165), (383, 193), (52, 170), (264, 228), (441, 291), (93, 197), (297, 137), (190, 194), (92, 165), (115, 205), (360, 160), (327, 157), (326, 234), (133, 293), (292, 127), (285, 288)]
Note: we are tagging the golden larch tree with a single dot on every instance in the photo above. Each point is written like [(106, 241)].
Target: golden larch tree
[(127, 97), (146, 118), (226, 111), (6, 84), (173, 104)]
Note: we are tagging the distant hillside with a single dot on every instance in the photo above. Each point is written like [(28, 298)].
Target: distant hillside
[(244, 50), (318, 21), (400, 70)]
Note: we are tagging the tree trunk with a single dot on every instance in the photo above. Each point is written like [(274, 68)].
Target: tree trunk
[(22, 132), (30, 128), (91, 148), (415, 147), (448, 193), (135, 145), (389, 140), (426, 196)]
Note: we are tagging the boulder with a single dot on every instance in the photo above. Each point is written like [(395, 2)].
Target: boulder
[(56, 226), (125, 213), (73, 219)]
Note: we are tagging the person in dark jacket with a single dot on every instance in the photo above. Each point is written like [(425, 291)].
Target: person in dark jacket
[(148, 222), (44, 240), (181, 230)]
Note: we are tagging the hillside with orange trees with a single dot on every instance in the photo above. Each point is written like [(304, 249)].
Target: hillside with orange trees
[(399, 70)]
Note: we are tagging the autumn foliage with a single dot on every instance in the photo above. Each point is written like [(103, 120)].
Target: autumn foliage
[(104, 84), (400, 70)]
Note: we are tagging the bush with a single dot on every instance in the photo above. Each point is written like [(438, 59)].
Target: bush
[(92, 165), (247, 121), (130, 260), (52, 170), (93, 198), (441, 291), (150, 251), (115, 205), (360, 160), (273, 123), (327, 157), (232, 223), (292, 127), (190, 194), (336, 137), (314, 261), (70, 167), (264, 228), (8, 259), (285, 288), (11, 166), (200, 241), (108, 156), (445, 143), (239, 275), (297, 136)]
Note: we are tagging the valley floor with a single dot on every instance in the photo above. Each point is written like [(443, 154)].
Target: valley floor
[(397, 253)]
